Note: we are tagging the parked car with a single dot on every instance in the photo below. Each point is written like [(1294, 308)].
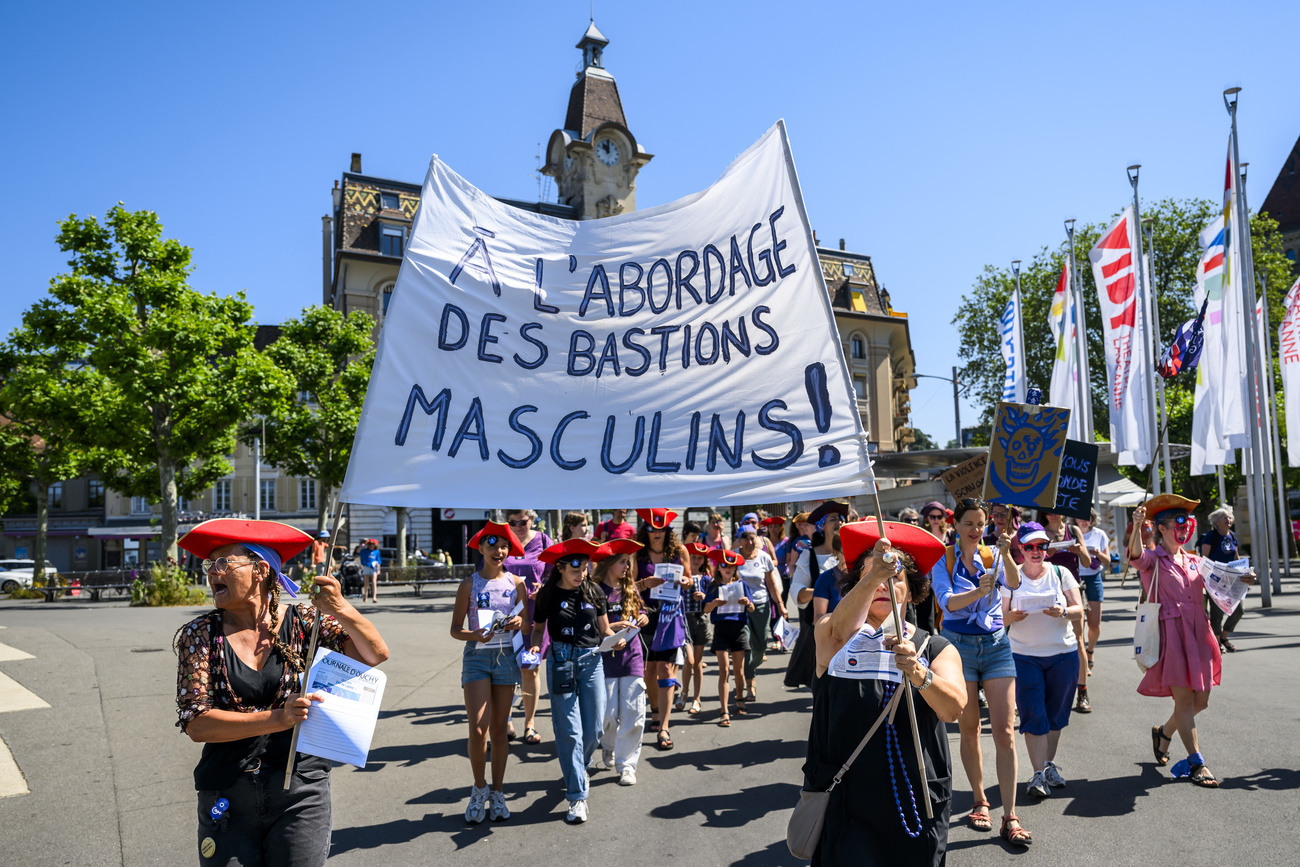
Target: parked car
[(18, 573)]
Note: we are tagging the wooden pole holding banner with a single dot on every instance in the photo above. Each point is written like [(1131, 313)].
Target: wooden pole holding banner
[(907, 692), (311, 647)]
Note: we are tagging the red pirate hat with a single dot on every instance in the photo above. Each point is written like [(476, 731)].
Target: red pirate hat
[(723, 557), (573, 546), (614, 547), (658, 519), (492, 528), (774, 519), (861, 536), (210, 535), (698, 550)]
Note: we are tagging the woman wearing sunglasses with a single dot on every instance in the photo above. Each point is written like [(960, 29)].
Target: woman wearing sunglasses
[(934, 520), (666, 633), (1190, 663), (571, 609), (239, 693), (1040, 612), (620, 739), (483, 618), (528, 566), (965, 585)]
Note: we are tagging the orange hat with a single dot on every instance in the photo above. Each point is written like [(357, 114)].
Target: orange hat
[(698, 550), (658, 519), (579, 547), (614, 547), (492, 528), (723, 557), (861, 536)]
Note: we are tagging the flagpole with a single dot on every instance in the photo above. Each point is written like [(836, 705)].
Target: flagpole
[(1148, 230), (1223, 496), (1081, 341), (1275, 426), (1271, 581), (1148, 344)]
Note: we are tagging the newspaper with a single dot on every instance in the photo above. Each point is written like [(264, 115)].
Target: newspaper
[(1223, 582), (341, 726)]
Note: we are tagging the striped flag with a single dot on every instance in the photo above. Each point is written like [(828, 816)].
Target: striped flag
[(1014, 387), (1231, 373), (1064, 387)]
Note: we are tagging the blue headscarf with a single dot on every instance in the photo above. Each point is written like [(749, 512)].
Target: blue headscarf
[(273, 560)]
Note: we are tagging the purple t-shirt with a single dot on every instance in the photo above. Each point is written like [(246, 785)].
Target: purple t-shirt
[(630, 661), (528, 567)]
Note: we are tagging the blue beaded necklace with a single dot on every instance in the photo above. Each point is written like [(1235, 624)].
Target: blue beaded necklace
[(894, 751)]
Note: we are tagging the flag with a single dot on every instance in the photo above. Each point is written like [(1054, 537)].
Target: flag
[(1014, 387), (1128, 369), (1231, 388), (1209, 447), (1064, 387), (1288, 351), (1184, 351), (1263, 411)]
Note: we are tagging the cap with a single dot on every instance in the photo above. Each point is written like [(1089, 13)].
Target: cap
[(723, 557), (750, 518), (1032, 531), (492, 528), (324, 534), (614, 547), (658, 519), (860, 536), (573, 547)]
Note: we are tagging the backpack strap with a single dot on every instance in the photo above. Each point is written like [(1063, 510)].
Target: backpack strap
[(986, 555)]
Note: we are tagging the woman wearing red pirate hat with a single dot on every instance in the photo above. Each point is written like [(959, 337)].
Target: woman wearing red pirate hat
[(667, 629), (238, 693)]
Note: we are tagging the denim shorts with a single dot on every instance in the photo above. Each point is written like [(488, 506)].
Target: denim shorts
[(497, 664), (1093, 589), (983, 657)]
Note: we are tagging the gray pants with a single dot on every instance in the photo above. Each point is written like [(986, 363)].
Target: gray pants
[(758, 620), (1216, 618), (266, 826)]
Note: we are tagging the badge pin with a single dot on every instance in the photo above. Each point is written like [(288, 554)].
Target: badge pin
[(208, 847)]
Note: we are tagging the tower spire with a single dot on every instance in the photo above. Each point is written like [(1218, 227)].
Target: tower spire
[(592, 44)]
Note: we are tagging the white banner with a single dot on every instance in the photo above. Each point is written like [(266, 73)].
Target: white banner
[(682, 354), (1263, 411), (1064, 388), (1210, 447), (1014, 386), (1128, 369), (1233, 419), (1288, 350)]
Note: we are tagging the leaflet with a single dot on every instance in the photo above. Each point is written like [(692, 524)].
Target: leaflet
[(1030, 602), (670, 590), (341, 726), (624, 634), (788, 631), (866, 658), (731, 594)]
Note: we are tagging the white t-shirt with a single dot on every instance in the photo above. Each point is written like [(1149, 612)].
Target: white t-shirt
[(1096, 540), (802, 578), (754, 573), (1040, 634)]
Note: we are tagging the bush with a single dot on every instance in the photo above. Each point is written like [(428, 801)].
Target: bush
[(168, 584), (26, 593)]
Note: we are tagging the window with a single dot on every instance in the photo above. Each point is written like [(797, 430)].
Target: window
[(221, 497), (56, 495), (859, 350), (390, 240), (849, 270), (95, 493), (388, 297), (183, 504), (140, 506), (306, 495), (268, 495), (390, 202), (860, 387), (1290, 254)]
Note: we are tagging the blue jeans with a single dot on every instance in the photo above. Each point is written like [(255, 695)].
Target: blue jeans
[(578, 717)]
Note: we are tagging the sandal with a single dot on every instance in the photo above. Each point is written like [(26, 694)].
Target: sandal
[(531, 737), (725, 722), (1158, 735), (1227, 645), (1202, 777), (1016, 836), (740, 707), (979, 818), (665, 742), (695, 707), (653, 727)]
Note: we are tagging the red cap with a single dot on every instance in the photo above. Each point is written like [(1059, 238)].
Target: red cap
[(210, 535), (614, 547), (492, 528), (698, 549), (774, 519), (863, 535), (723, 557), (573, 546), (658, 519)]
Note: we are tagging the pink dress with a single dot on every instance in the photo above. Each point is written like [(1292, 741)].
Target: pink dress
[(1189, 654)]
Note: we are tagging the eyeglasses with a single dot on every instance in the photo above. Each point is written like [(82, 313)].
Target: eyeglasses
[(221, 564), (1035, 546), (524, 523), (574, 562)]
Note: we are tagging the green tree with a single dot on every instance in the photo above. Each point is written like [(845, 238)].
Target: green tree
[(180, 365), (922, 441), (325, 358)]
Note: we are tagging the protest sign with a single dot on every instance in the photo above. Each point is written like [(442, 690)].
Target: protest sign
[(967, 478), (1025, 454), (685, 353), (1074, 488)]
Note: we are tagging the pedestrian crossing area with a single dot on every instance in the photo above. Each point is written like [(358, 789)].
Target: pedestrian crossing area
[(14, 697)]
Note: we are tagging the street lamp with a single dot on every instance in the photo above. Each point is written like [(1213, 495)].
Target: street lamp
[(956, 405)]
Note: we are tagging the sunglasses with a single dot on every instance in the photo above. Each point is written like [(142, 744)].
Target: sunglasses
[(574, 562), (658, 529), (911, 520), (524, 523), (1035, 546), (934, 516), (221, 564)]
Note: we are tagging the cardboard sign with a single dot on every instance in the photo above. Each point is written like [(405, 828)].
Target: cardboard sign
[(1078, 481), (1025, 455), (967, 478)]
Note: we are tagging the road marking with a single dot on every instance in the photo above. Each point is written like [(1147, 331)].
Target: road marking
[(12, 781), (15, 696), (9, 654)]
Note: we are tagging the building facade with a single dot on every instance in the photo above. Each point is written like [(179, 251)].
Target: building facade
[(1283, 204)]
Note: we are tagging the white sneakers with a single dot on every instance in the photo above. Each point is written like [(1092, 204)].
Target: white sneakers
[(477, 809), (1038, 785), (1052, 774), (577, 813), (627, 778), (497, 809)]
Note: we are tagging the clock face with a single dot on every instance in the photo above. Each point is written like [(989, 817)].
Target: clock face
[(607, 152)]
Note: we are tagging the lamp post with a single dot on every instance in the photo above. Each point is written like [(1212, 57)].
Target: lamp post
[(956, 405)]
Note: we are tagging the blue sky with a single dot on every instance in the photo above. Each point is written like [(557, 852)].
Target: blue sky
[(936, 138)]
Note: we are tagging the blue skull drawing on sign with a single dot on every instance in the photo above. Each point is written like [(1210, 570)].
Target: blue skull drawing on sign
[(1026, 439)]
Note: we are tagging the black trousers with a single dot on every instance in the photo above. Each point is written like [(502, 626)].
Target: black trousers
[(265, 826)]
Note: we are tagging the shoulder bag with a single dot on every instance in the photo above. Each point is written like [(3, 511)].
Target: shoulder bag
[(1146, 630)]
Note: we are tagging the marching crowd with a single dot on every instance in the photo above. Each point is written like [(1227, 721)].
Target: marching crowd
[(1000, 612)]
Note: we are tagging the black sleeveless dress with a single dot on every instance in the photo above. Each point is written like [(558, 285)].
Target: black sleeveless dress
[(863, 827)]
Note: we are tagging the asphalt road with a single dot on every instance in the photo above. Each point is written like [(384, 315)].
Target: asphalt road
[(110, 776)]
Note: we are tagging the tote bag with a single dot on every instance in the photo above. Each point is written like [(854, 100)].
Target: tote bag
[(1146, 631)]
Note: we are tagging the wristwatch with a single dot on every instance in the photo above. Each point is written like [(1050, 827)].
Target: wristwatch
[(929, 679)]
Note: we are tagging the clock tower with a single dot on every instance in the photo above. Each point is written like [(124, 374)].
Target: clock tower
[(594, 158)]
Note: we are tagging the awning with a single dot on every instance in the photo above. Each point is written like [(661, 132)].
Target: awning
[(1121, 493), (124, 532), (921, 464), (25, 532)]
